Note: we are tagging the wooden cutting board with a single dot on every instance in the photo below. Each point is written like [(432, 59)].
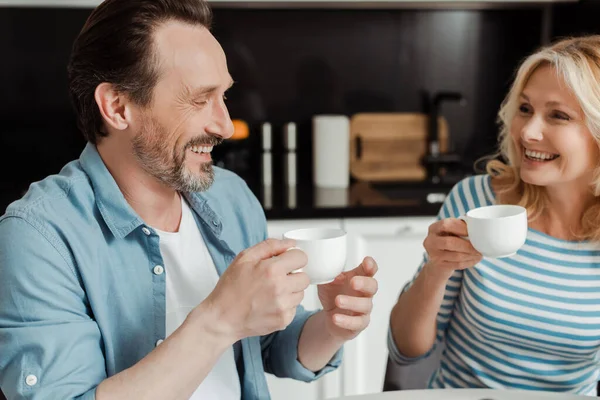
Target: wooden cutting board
[(386, 147)]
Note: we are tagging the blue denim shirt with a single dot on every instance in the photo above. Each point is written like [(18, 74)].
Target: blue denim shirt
[(79, 298)]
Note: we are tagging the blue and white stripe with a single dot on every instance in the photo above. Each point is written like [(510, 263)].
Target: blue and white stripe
[(530, 321)]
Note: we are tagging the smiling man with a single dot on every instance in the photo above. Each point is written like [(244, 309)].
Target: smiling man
[(140, 271)]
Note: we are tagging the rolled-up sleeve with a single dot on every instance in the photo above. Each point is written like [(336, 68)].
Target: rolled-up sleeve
[(280, 351), (50, 347)]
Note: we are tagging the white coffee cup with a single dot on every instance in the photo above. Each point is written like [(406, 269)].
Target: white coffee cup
[(497, 231), (325, 249)]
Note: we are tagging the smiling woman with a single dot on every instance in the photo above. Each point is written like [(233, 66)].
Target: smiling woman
[(551, 133), (530, 320)]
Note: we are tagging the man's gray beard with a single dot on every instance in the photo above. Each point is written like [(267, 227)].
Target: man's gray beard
[(154, 158), (188, 182)]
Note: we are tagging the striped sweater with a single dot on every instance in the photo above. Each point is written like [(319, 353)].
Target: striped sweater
[(530, 321)]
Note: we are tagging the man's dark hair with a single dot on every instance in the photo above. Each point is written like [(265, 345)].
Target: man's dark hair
[(116, 46)]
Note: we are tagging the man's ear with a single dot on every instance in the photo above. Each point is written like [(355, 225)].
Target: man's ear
[(114, 106)]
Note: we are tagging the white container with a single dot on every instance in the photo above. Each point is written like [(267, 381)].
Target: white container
[(267, 166), (331, 151), (289, 163)]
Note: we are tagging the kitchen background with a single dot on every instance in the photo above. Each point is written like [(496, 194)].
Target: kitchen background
[(290, 64)]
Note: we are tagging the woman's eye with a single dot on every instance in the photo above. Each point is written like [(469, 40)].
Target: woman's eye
[(561, 115)]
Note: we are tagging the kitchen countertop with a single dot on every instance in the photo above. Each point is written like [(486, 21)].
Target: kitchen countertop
[(361, 199)]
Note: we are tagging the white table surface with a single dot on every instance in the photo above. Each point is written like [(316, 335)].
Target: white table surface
[(466, 394)]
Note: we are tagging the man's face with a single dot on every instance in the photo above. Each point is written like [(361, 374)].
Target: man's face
[(175, 134)]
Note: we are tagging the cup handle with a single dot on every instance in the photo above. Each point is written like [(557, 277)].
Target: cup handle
[(464, 218), (299, 269)]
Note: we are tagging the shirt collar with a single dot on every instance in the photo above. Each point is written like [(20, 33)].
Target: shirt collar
[(118, 215)]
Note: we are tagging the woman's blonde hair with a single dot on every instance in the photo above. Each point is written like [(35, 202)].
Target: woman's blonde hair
[(577, 61)]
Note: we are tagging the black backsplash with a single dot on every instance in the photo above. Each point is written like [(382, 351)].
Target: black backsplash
[(288, 65), (293, 64)]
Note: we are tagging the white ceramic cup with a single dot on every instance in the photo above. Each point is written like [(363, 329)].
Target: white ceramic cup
[(325, 249), (497, 231)]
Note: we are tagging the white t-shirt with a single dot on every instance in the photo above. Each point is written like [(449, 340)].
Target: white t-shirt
[(190, 276)]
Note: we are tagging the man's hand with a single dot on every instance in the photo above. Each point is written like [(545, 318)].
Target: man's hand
[(258, 294), (348, 300)]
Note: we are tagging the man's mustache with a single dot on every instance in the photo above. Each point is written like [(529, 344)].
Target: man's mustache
[(205, 141)]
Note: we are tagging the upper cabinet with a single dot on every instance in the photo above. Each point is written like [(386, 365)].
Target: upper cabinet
[(455, 4)]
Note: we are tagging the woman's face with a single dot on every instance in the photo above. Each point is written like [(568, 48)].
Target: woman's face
[(554, 145)]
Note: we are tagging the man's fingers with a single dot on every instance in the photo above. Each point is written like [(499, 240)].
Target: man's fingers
[(265, 250), (360, 305), (351, 323), (290, 261), (366, 285), (368, 267), (297, 282), (294, 299)]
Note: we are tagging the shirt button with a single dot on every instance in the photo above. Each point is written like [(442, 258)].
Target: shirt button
[(31, 380), (158, 270), (146, 231), (215, 223), (158, 342)]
